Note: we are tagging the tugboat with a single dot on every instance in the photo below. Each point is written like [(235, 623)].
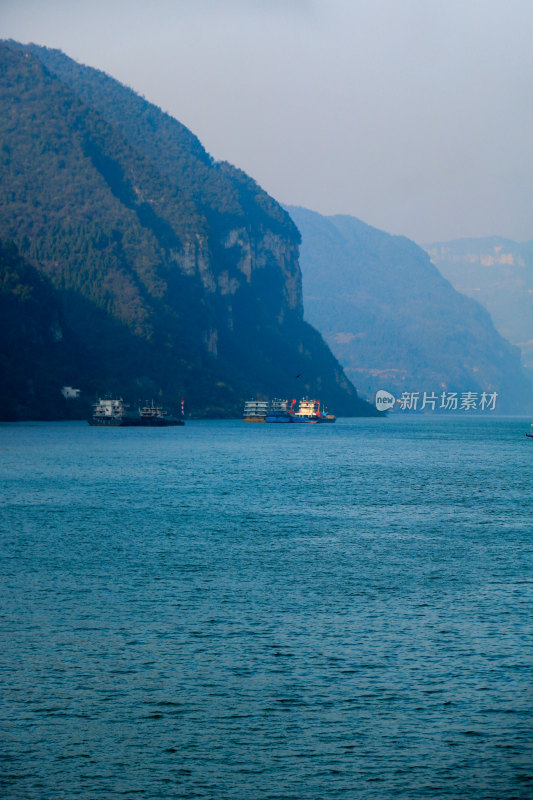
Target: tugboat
[(309, 411), (156, 417)]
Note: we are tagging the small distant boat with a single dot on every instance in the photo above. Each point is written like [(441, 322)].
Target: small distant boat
[(280, 411), (255, 411), (310, 412), (113, 412), (156, 417), (530, 434)]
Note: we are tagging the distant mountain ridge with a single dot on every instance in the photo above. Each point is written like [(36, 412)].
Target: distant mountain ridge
[(393, 321), (498, 273), (178, 275)]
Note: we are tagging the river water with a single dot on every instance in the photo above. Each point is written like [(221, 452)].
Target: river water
[(253, 612)]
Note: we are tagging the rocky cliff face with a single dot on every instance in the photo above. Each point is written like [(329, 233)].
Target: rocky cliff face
[(252, 254), (180, 275)]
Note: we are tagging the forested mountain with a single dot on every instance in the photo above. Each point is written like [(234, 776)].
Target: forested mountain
[(498, 273), (172, 273), (393, 321), (35, 346)]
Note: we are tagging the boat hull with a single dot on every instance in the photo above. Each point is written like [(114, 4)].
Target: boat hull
[(121, 422), (155, 422), (135, 422)]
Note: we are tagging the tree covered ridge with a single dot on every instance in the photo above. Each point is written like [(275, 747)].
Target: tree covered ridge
[(32, 338), (161, 293), (223, 192)]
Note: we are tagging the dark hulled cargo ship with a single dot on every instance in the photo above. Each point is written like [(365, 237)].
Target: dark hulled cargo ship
[(114, 413)]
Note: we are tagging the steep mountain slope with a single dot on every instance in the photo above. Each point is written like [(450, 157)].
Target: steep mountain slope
[(36, 349), (233, 203), (393, 321), (498, 273), (191, 277)]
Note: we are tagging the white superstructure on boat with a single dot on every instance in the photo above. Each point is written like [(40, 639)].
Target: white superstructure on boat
[(255, 410)]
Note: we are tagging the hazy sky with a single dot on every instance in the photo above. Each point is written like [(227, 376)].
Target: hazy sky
[(413, 115)]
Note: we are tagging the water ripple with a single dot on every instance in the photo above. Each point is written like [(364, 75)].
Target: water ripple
[(246, 613)]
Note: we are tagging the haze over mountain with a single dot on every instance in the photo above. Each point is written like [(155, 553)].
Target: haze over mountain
[(498, 273), (393, 321), (412, 115), (172, 273)]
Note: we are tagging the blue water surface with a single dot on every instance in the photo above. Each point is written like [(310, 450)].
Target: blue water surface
[(253, 612)]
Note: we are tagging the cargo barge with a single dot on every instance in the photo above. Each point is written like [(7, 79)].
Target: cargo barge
[(287, 411)]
